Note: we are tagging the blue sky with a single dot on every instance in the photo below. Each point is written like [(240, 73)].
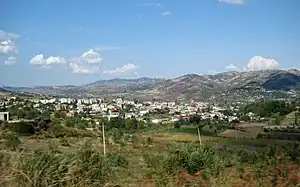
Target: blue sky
[(56, 42)]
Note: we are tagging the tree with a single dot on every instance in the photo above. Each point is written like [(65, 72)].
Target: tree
[(129, 107), (245, 118), (179, 123), (117, 122), (269, 108), (128, 123), (46, 114), (278, 120), (195, 119), (59, 114), (56, 121), (297, 114), (70, 122)]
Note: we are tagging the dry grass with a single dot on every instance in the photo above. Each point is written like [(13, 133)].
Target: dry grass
[(178, 137), (15, 172)]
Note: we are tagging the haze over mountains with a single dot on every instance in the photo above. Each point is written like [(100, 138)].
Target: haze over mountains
[(183, 87)]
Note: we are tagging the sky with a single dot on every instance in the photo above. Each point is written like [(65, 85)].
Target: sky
[(63, 42)]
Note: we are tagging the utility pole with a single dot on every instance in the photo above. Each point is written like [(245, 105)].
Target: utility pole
[(199, 136), (103, 137)]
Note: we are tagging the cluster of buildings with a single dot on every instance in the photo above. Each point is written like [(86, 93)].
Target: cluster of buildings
[(157, 112)]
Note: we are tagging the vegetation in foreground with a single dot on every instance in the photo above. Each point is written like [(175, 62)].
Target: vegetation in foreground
[(145, 159)]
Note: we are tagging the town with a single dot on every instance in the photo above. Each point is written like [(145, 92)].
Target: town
[(170, 111)]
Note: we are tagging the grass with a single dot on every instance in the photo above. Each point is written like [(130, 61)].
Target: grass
[(170, 157)]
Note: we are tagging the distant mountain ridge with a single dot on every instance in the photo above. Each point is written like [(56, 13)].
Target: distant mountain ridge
[(182, 87)]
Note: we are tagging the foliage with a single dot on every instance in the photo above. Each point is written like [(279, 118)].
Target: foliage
[(195, 119), (24, 112), (193, 158), (30, 128), (86, 167), (64, 141), (26, 128), (297, 115), (277, 120), (180, 122), (12, 142), (117, 122), (269, 108)]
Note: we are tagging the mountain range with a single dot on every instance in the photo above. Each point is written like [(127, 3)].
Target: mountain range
[(189, 86)]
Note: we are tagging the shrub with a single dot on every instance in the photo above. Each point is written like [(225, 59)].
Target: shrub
[(24, 128), (177, 125), (154, 161), (64, 141), (59, 131), (149, 140), (4, 160), (12, 142), (193, 158), (86, 167)]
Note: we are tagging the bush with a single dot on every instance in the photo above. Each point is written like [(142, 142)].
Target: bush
[(64, 141), (86, 167), (177, 124), (149, 140), (12, 142), (59, 131), (24, 128), (193, 158)]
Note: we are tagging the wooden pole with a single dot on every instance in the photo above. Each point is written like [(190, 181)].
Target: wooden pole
[(199, 136), (103, 137)]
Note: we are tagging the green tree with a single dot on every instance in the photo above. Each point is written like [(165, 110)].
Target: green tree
[(179, 123), (195, 119), (278, 120), (13, 142), (297, 114), (117, 122), (70, 122), (129, 123), (46, 114)]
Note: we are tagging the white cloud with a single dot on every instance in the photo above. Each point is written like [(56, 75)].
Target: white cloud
[(55, 60), (237, 2), (231, 67), (10, 60), (6, 42), (124, 69), (91, 57), (83, 68), (7, 36), (42, 61), (166, 13), (88, 62), (261, 63), (7, 46)]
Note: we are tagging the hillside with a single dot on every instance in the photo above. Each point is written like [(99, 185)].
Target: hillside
[(182, 87), (283, 81)]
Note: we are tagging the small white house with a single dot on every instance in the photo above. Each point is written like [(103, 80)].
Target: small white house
[(4, 116), (156, 121)]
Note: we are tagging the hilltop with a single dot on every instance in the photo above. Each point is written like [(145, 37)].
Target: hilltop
[(182, 87)]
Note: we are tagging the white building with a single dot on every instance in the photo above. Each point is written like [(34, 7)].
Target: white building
[(45, 101), (4, 116), (65, 100), (96, 108), (156, 121)]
